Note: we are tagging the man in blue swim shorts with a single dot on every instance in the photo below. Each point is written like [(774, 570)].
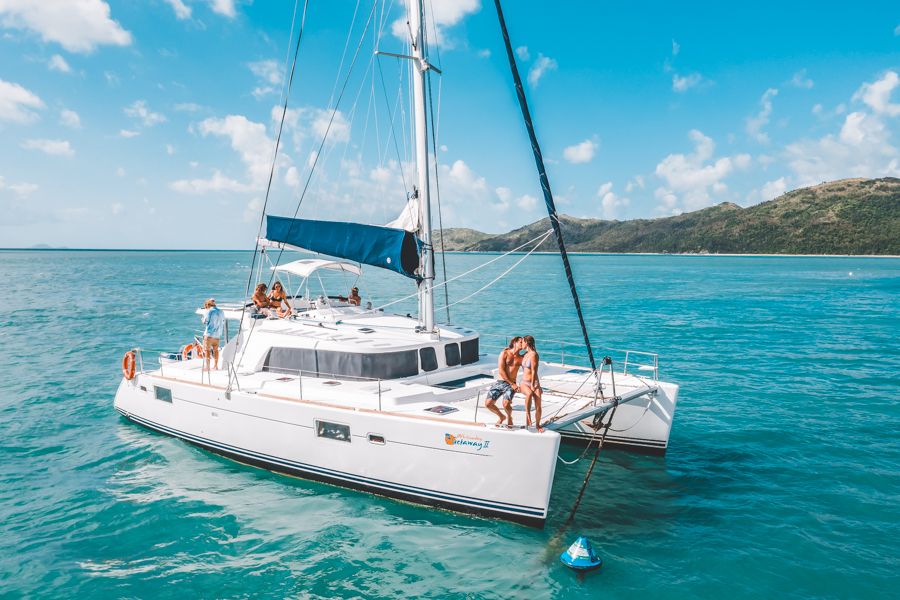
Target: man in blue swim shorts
[(505, 387)]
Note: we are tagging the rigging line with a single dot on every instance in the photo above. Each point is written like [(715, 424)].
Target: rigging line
[(344, 53), (437, 192), (502, 275), (541, 237), (318, 152), (393, 132), (545, 182), (287, 94)]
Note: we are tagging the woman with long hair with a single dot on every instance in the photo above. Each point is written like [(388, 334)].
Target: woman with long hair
[(276, 298), (531, 385)]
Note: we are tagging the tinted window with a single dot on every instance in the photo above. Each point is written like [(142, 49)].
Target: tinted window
[(328, 363), (451, 353), (333, 431), (470, 351), (428, 357), (164, 394)]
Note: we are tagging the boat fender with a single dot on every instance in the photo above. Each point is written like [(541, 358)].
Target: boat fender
[(128, 365), (581, 556)]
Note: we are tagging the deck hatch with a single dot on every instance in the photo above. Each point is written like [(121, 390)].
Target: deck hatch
[(441, 409)]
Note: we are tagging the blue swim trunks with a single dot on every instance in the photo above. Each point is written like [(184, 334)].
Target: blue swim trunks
[(501, 388)]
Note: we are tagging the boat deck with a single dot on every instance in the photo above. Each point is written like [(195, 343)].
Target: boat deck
[(456, 397)]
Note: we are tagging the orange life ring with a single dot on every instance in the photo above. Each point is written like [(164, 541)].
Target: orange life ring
[(193, 350), (128, 365)]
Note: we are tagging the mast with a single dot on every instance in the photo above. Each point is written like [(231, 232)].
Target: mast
[(417, 45)]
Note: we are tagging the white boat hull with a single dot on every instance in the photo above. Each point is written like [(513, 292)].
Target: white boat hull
[(643, 425), (461, 466)]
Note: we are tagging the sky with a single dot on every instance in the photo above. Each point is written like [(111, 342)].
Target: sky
[(152, 124)]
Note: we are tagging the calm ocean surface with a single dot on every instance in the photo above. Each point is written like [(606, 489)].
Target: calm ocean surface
[(782, 477)]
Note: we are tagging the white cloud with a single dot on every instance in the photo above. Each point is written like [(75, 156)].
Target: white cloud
[(251, 213), (224, 7), (120, 172), (58, 63), (689, 178), (485, 53), (861, 148), (522, 53), (541, 66), (877, 95), (170, 149), (774, 189), (182, 10), (897, 30), (117, 208), (800, 80), (140, 111), (442, 15), (249, 139), (637, 182), (51, 147), (610, 202), (78, 26), (69, 118), (16, 102), (270, 75), (340, 127), (755, 124), (20, 189), (129, 133), (682, 84), (292, 177), (216, 183), (676, 48), (526, 202), (582, 152), (188, 107), (462, 175)]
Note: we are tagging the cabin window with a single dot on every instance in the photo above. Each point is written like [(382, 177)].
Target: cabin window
[(376, 439), (428, 357), (352, 365), (451, 353), (161, 393), (333, 431), (469, 350)]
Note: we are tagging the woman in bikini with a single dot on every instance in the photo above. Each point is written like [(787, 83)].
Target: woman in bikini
[(276, 298), (531, 385)]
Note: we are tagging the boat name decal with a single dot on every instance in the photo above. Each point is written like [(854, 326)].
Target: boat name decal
[(466, 440)]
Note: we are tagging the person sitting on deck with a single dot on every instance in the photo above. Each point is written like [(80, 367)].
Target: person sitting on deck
[(213, 333), (353, 299), (276, 298), (508, 364), (260, 300)]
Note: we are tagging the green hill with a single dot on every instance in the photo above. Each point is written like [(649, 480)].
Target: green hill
[(850, 216)]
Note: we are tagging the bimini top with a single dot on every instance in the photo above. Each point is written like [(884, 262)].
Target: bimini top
[(307, 266), (393, 249)]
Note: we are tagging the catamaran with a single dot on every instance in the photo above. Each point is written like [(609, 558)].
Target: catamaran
[(350, 394)]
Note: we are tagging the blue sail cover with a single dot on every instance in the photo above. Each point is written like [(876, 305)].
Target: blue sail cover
[(384, 247)]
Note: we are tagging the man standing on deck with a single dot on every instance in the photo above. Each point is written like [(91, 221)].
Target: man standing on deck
[(215, 330), (508, 364)]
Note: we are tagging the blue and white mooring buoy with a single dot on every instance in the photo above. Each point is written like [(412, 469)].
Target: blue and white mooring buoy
[(580, 556)]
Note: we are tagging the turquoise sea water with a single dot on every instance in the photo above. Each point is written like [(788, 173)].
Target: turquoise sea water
[(782, 477)]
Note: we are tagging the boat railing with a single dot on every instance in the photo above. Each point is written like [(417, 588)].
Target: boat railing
[(298, 374), (572, 354)]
